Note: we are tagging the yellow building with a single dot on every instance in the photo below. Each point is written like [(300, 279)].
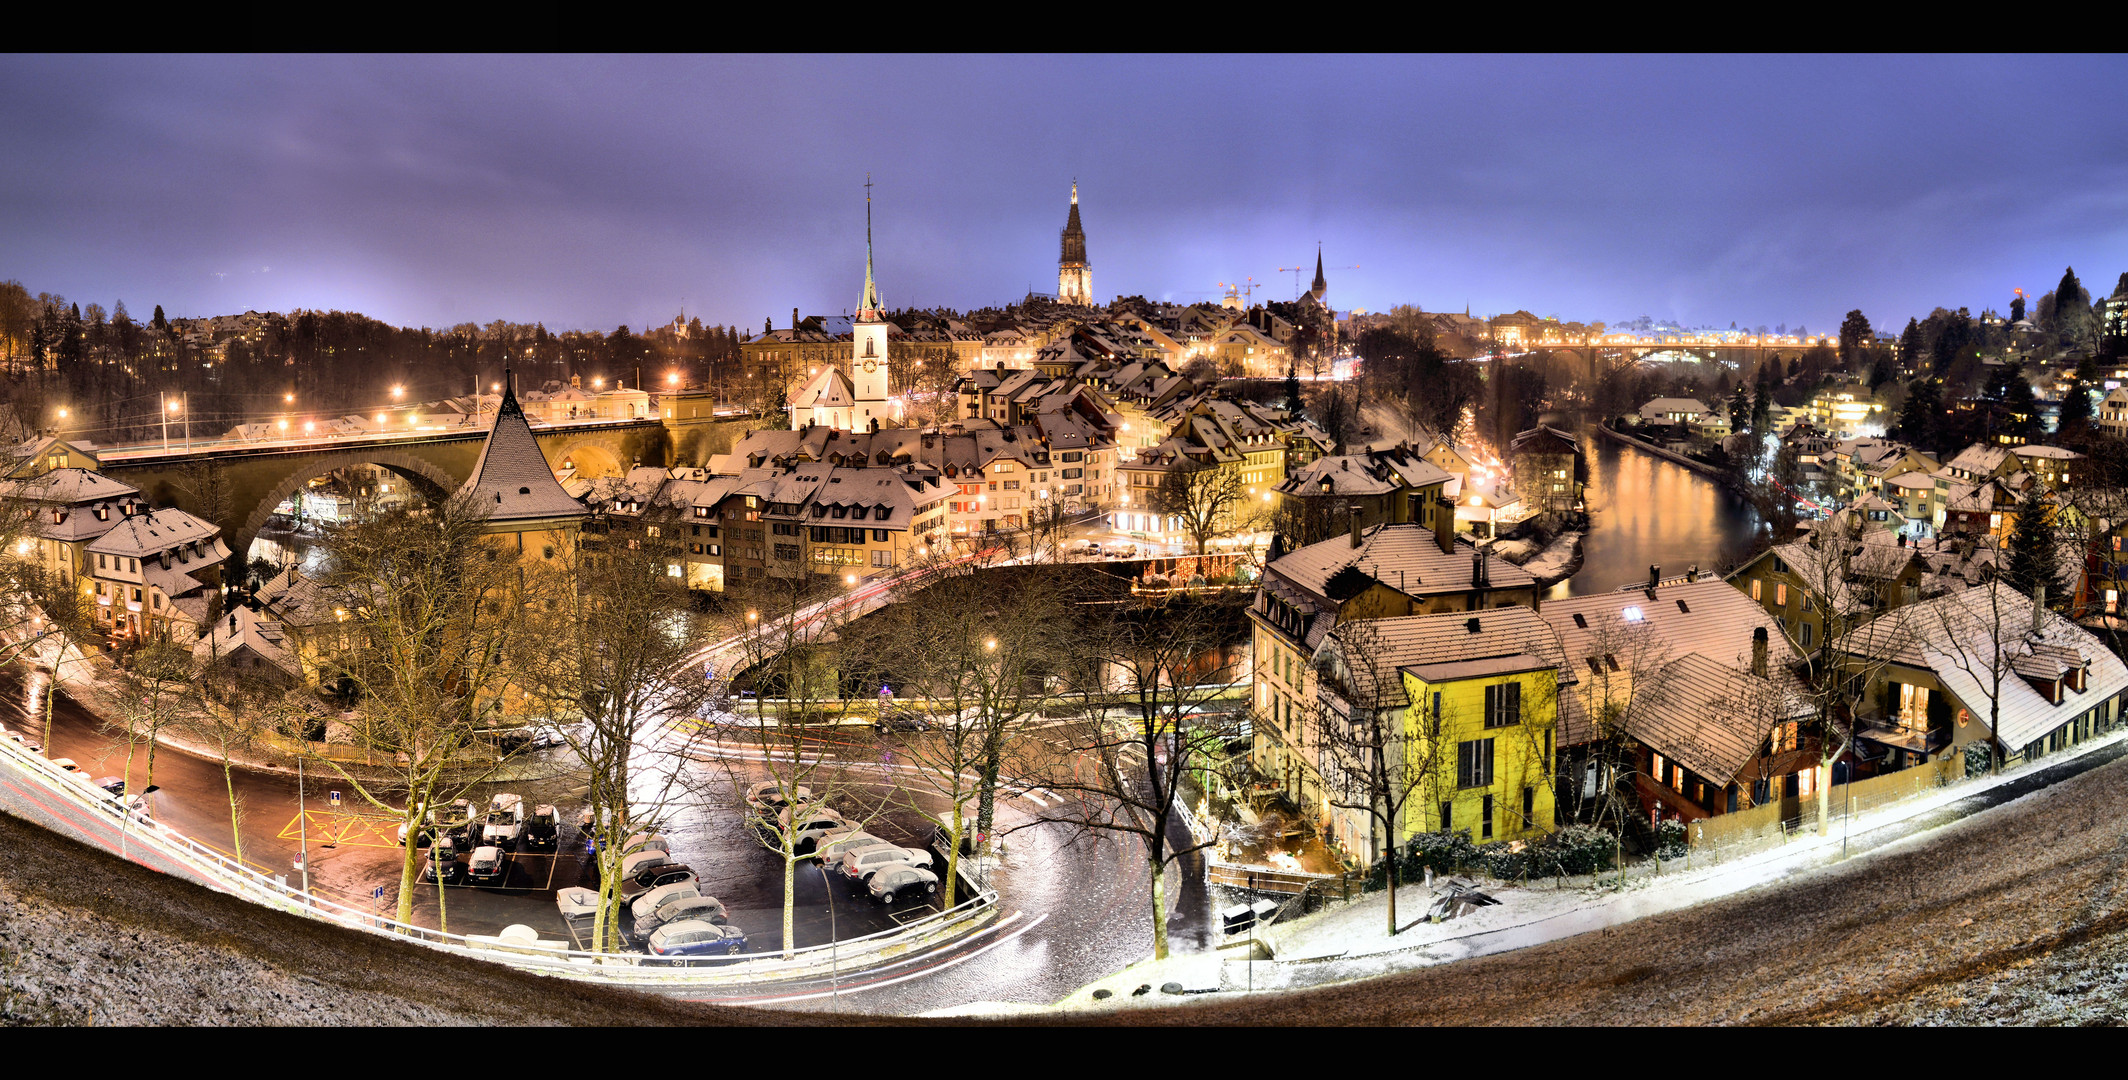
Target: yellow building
[(1467, 706)]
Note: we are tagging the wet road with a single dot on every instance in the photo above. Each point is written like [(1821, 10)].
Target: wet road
[(1075, 908)]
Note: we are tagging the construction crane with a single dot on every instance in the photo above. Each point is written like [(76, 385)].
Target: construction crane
[(1297, 271), (1244, 290)]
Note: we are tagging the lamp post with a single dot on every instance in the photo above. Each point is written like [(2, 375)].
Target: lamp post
[(834, 942), (303, 825)]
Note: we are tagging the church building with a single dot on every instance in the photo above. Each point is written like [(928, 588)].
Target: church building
[(1075, 280), (863, 399)]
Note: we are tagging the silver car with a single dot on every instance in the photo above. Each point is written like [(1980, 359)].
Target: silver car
[(679, 909), (831, 846), (862, 863), (893, 882), (807, 824)]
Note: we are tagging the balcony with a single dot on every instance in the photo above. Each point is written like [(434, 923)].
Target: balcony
[(1890, 732)]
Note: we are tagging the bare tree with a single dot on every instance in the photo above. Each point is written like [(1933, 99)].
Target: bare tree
[(609, 662), (1852, 580), (1208, 501), (435, 605), (972, 648), (1146, 670), (792, 650)]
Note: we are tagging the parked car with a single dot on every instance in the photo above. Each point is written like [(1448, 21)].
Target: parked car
[(673, 904), (66, 763), (488, 865), (543, 829), (694, 937), (862, 863), (443, 862), (631, 864), (896, 719), (768, 798), (24, 741), (645, 842), (505, 823), (807, 824), (831, 846), (893, 883), (116, 785), (454, 819), (576, 902)]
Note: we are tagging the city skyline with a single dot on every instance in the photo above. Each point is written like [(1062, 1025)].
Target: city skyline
[(587, 192)]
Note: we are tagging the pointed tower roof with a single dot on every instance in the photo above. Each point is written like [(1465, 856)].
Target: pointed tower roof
[(868, 307), (512, 480), (1320, 287), (1074, 236)]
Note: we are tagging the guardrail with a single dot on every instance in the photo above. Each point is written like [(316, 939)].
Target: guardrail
[(224, 874)]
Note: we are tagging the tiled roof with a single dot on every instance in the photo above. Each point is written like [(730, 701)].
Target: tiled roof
[(157, 531), (1709, 716), (512, 480)]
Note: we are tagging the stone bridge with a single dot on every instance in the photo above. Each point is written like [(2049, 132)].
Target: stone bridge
[(237, 485)]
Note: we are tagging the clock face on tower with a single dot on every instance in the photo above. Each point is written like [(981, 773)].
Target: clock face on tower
[(871, 365)]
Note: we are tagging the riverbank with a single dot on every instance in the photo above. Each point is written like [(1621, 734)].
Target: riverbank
[(1551, 564)]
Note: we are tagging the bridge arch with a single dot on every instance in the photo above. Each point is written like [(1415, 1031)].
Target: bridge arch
[(426, 476), (590, 455)]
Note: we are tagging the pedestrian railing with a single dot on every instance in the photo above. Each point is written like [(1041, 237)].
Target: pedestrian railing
[(218, 871)]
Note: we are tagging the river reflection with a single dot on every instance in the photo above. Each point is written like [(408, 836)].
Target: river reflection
[(1646, 510)]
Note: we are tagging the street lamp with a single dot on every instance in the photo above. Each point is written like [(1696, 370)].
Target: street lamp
[(288, 399), (398, 391)]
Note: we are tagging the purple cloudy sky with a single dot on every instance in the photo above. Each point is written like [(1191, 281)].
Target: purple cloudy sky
[(588, 191)]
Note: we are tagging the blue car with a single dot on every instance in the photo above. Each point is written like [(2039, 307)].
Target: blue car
[(697, 937)]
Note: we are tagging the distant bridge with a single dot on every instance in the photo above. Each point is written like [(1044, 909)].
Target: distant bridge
[(1635, 348), (237, 483)]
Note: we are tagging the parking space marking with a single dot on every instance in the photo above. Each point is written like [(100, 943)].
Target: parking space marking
[(342, 828)]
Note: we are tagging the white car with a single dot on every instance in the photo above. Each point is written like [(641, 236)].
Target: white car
[(807, 824), (832, 846), (505, 824), (767, 797), (862, 863)]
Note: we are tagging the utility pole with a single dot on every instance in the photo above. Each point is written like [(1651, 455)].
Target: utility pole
[(303, 824), (162, 405)]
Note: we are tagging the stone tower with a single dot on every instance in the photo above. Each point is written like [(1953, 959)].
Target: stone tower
[(1075, 281)]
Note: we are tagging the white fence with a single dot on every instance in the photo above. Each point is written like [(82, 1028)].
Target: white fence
[(219, 872)]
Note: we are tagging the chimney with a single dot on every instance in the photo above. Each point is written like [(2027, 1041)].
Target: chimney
[(1758, 652), (2039, 606), (1354, 511), (1444, 525), (1654, 575), (794, 318)]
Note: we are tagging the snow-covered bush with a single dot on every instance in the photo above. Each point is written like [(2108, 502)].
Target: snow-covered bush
[(1670, 839), (1441, 852), (1978, 758), (1580, 849)]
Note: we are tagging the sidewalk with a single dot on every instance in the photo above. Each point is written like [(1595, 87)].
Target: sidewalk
[(1351, 942)]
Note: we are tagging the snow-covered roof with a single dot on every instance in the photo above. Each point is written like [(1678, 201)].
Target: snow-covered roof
[(512, 480), (1977, 639)]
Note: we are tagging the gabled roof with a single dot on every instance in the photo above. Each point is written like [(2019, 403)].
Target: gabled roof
[(157, 531), (830, 389), (1405, 557), (512, 480), (1968, 637)]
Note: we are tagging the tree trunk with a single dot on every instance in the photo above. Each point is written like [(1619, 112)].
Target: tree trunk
[(1824, 797), (953, 855), (236, 824), (986, 795), (1159, 890), (790, 898), (405, 910)]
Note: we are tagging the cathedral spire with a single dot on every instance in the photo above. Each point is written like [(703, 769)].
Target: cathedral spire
[(1320, 287), (868, 307), (1074, 280)]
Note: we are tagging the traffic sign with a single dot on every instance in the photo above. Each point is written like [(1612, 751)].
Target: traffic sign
[(377, 893), (335, 797)]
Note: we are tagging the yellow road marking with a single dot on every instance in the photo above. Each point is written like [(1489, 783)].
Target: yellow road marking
[(341, 828)]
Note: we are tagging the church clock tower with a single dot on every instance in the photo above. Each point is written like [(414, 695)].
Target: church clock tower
[(1075, 280), (870, 378)]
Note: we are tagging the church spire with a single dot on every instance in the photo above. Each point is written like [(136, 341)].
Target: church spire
[(1074, 280), (868, 307), (1320, 287)]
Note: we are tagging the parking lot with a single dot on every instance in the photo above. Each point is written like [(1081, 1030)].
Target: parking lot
[(353, 849)]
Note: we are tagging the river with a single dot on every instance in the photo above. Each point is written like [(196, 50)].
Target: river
[(1645, 510)]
